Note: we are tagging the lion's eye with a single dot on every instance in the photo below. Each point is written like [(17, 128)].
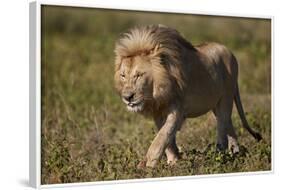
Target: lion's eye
[(122, 76), (139, 75)]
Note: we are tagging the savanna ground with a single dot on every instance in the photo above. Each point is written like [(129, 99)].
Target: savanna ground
[(88, 135)]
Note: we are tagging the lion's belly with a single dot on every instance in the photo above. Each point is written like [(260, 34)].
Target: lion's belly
[(202, 96), (195, 107)]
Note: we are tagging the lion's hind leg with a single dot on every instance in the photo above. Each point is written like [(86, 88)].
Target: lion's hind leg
[(226, 136), (232, 139)]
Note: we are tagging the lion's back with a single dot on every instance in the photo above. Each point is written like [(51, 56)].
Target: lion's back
[(220, 56)]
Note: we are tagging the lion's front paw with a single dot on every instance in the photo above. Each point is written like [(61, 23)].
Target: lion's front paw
[(172, 157), (142, 164), (146, 163), (151, 163), (172, 160)]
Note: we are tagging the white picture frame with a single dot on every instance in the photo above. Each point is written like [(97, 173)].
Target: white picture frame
[(35, 91)]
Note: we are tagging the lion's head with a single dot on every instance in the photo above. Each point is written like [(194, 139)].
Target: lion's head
[(136, 83), (147, 73)]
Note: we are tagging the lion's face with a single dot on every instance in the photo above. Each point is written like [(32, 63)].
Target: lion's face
[(135, 82)]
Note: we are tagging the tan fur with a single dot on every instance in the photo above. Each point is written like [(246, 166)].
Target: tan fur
[(159, 74)]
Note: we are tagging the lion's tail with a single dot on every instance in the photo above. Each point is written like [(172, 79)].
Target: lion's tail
[(241, 112)]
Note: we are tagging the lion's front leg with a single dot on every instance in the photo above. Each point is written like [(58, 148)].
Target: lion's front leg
[(172, 152), (163, 138)]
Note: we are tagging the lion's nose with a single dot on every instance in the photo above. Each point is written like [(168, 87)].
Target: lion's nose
[(128, 96)]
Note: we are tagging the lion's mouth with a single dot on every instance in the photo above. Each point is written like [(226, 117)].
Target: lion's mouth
[(135, 106), (132, 104)]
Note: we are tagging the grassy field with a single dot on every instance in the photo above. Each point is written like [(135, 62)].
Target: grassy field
[(87, 134)]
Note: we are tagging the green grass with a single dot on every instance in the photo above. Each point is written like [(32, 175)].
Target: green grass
[(88, 135)]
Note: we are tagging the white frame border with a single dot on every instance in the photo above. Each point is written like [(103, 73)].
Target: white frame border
[(35, 94), (35, 90)]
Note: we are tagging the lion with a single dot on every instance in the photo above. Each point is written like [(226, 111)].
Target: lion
[(161, 75)]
